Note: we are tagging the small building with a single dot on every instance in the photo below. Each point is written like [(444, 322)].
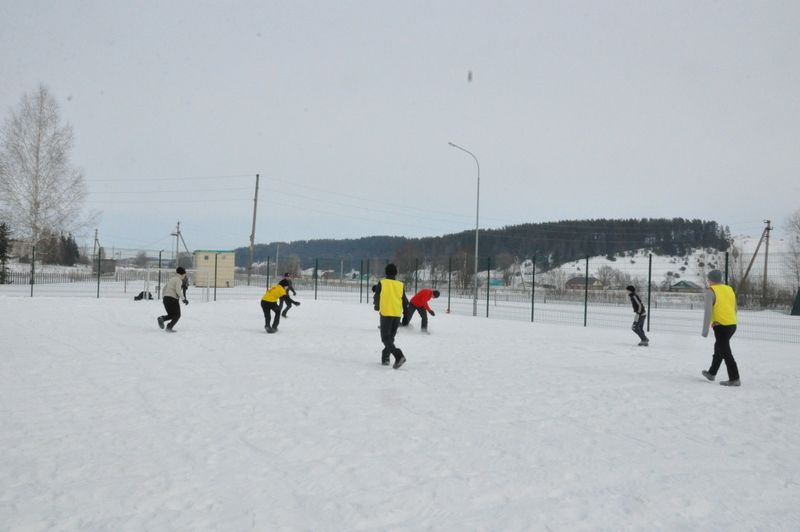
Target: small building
[(686, 286), (308, 273), (579, 283), (107, 266), (210, 264)]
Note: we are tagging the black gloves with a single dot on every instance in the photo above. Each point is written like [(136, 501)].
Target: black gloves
[(432, 313), (185, 301)]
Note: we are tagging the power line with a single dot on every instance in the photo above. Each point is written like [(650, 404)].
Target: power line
[(191, 178), (182, 190), (170, 201)]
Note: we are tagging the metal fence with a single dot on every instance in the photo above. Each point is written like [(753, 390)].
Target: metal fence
[(586, 292)]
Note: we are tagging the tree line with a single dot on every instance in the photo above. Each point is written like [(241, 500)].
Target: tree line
[(552, 243)]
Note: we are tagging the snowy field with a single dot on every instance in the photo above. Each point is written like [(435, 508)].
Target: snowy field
[(108, 423)]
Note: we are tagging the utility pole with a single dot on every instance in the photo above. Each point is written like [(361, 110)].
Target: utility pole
[(764, 235), (253, 235), (94, 247), (766, 254), (177, 242)]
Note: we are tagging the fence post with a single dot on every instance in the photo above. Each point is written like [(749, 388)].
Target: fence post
[(533, 287), (98, 271), (586, 293), (449, 278), (33, 267), (361, 282), (368, 261), (726, 267), (649, 284), (316, 277), (158, 288), (488, 282), (216, 255), (268, 272)]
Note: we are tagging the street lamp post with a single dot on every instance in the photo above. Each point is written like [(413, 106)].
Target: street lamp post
[(477, 213)]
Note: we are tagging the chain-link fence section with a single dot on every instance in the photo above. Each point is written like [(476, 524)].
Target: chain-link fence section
[(586, 292)]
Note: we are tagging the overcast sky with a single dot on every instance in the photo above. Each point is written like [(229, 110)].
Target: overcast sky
[(575, 110)]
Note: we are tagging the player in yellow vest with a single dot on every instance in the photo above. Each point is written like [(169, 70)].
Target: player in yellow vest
[(720, 314), (271, 301), (390, 300)]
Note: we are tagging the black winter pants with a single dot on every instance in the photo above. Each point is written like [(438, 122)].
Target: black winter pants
[(389, 325), (638, 327), (268, 307), (173, 308), (409, 313), (722, 351)]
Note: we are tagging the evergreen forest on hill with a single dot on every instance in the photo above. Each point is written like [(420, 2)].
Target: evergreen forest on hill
[(552, 243)]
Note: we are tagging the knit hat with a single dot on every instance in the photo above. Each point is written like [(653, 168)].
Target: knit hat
[(715, 276), (630, 288), (435, 293), (180, 270), (284, 283), (391, 270)]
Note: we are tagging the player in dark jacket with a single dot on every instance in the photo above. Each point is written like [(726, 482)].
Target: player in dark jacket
[(288, 301), (639, 315), (390, 301)]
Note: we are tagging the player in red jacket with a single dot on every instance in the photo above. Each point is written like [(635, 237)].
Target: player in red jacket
[(419, 303)]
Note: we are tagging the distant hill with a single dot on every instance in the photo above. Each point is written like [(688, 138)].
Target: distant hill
[(553, 243)]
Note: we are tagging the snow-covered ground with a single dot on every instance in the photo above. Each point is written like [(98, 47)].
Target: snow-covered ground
[(108, 423)]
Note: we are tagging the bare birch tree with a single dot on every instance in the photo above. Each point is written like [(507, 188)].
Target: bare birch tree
[(792, 225), (40, 190)]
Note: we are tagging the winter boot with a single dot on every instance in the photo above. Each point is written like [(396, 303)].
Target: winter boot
[(399, 359), (736, 382), (644, 343), (708, 375), (160, 321)]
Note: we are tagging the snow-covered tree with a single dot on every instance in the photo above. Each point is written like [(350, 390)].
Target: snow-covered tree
[(40, 191), (793, 257), (4, 253)]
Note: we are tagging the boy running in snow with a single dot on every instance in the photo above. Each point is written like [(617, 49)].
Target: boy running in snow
[(639, 314), (720, 314), (289, 301), (419, 303), (271, 302), (390, 300), (172, 300)]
